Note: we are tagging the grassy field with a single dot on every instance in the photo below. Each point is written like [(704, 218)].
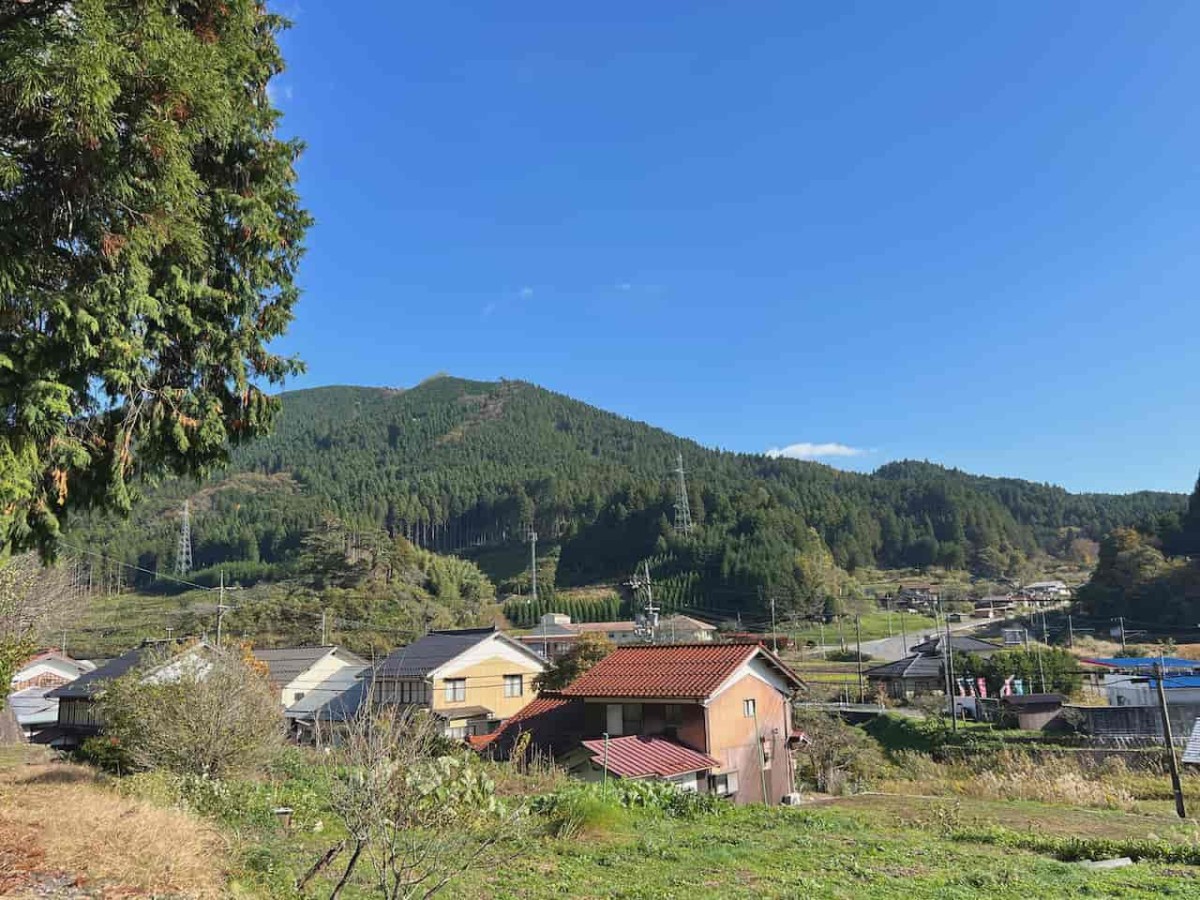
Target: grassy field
[(862, 847), (874, 625)]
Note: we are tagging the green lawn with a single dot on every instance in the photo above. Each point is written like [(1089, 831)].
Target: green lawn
[(861, 849), (874, 625)]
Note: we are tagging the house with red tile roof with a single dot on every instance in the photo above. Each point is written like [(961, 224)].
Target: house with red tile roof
[(706, 717)]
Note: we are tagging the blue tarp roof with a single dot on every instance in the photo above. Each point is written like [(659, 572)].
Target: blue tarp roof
[(1178, 681), (1145, 662)]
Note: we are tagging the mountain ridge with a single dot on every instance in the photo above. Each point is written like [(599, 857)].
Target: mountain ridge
[(460, 466)]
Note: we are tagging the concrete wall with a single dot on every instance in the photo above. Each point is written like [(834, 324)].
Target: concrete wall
[(1133, 720)]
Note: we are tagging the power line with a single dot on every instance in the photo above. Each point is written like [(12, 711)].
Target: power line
[(120, 562)]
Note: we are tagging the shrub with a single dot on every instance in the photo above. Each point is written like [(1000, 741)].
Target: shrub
[(105, 753), (848, 656), (1070, 848), (595, 808), (836, 756), (213, 716), (578, 810)]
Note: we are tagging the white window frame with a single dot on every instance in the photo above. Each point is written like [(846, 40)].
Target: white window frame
[(456, 690), (749, 708), (514, 685)]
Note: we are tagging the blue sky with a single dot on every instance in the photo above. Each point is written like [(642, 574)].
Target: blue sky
[(947, 231)]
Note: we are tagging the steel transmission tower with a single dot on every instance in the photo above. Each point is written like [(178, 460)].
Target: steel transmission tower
[(183, 558), (683, 510)]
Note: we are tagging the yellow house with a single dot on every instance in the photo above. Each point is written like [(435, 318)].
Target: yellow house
[(474, 678)]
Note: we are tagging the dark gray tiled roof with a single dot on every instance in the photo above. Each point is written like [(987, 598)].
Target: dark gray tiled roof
[(86, 686), (963, 643), (422, 656), (286, 664), (917, 666)]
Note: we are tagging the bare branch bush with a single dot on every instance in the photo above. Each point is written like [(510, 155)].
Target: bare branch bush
[(419, 816), (211, 714), (35, 600)]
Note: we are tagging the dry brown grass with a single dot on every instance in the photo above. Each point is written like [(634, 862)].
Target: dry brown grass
[(1015, 776), (80, 826)]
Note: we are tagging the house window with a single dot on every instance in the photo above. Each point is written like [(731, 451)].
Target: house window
[(414, 692), (723, 785), (631, 718), (456, 690), (457, 733), (673, 715), (748, 708), (298, 696), (514, 686)]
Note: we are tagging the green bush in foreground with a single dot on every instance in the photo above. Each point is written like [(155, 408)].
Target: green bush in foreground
[(1071, 848), (594, 807)]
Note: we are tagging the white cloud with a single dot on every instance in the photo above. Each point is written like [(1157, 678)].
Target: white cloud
[(624, 286), (814, 451), (489, 308), (525, 292), (278, 91)]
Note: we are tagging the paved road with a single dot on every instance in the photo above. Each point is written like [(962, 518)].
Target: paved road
[(891, 648)]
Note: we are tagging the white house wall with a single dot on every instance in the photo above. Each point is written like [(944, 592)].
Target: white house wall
[(329, 676), (496, 647)]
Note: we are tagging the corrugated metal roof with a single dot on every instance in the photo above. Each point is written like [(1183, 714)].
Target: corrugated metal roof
[(1174, 682), (32, 706), (640, 756), (345, 705), (1176, 663), (669, 670), (437, 648)]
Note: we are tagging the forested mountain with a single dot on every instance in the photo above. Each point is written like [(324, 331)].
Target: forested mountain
[(469, 467), (1151, 574)]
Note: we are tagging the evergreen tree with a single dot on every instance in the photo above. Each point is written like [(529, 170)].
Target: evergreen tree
[(149, 234)]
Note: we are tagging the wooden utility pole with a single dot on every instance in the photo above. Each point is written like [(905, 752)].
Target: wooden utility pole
[(949, 663), (774, 639), (1070, 632), (1172, 761), (862, 695), (1121, 619)]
